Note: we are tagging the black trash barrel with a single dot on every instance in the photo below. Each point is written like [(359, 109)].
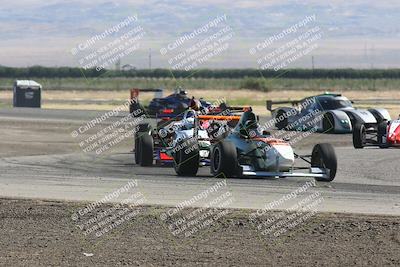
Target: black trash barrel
[(27, 94)]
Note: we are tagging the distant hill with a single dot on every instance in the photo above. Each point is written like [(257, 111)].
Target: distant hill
[(356, 33)]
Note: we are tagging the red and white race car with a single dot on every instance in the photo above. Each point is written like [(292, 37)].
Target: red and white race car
[(385, 134)]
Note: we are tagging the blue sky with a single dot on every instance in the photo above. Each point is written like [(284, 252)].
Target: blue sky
[(360, 34)]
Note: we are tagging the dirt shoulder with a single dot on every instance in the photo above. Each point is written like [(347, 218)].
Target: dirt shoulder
[(35, 232)]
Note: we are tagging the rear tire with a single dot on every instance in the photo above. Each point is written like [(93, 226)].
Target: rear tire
[(186, 164), (324, 156), (146, 149), (382, 128), (141, 130), (224, 160), (359, 136), (137, 148)]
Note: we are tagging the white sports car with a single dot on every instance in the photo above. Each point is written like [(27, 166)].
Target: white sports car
[(328, 113)]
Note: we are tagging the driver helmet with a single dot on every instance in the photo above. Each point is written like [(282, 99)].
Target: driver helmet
[(251, 122), (195, 104), (181, 91)]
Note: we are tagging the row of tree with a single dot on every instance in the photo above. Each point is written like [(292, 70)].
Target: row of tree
[(65, 72)]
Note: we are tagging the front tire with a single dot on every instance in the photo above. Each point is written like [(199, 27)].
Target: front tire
[(137, 148), (141, 130), (224, 160), (359, 136), (187, 163), (324, 156), (146, 150)]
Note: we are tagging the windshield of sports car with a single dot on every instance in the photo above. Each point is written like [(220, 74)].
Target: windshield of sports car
[(330, 103)]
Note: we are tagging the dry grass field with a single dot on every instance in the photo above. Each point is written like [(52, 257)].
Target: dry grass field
[(106, 100)]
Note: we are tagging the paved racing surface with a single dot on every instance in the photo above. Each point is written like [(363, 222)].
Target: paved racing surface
[(40, 159)]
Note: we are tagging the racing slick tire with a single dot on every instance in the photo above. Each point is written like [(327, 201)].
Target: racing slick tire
[(328, 123), (359, 136), (140, 130), (224, 160), (282, 124), (382, 128), (186, 163), (324, 156), (137, 148), (146, 149)]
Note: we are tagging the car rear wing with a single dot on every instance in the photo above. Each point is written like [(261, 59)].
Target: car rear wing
[(223, 108), (135, 92), (167, 114), (270, 103), (238, 109), (134, 99), (217, 117), (234, 109)]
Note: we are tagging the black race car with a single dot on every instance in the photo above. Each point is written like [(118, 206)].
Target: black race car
[(173, 104), (176, 103)]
